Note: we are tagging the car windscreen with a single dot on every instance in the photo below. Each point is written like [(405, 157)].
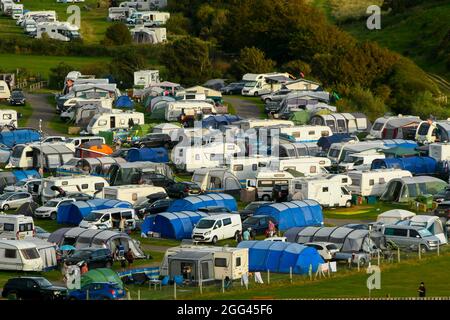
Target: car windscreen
[(81, 254), (43, 283), (5, 196), (205, 224), (251, 221), (93, 216), (424, 233), (51, 203)]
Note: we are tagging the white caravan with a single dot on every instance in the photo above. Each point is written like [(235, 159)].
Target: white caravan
[(148, 18), (16, 227), (266, 179), (257, 84), (262, 123), (37, 16), (228, 262), (109, 219), (373, 182), (5, 93), (8, 117), (86, 184), (439, 151), (142, 5), (120, 13), (360, 160), (217, 227), (309, 166), (48, 154), (107, 121), (190, 107), (245, 168), (146, 78), (17, 11), (386, 122), (19, 256), (6, 6), (328, 190), (131, 193), (306, 133), (63, 31)]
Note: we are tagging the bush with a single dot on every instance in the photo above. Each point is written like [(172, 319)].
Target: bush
[(252, 60), (58, 74), (117, 34)]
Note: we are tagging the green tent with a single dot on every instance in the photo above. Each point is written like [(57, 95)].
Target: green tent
[(158, 112), (101, 275), (108, 135), (300, 117)]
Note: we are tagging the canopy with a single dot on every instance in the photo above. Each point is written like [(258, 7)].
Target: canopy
[(325, 142), (300, 117), (19, 136), (400, 152), (280, 257), (416, 165), (124, 102), (73, 213), (408, 188), (173, 225), (193, 203), (293, 214), (148, 154), (100, 275)]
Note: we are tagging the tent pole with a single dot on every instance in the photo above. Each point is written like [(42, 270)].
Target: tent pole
[(290, 273), (268, 276), (174, 290)]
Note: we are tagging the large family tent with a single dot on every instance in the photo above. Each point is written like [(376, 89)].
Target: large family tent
[(394, 216), (19, 136), (342, 122), (157, 100), (293, 214), (73, 213), (280, 257), (201, 262), (219, 121), (148, 154), (100, 275), (94, 166), (47, 251), (7, 178), (416, 165), (409, 188), (300, 117), (193, 203), (173, 225)]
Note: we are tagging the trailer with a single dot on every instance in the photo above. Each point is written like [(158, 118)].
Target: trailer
[(131, 193), (373, 182), (116, 119)]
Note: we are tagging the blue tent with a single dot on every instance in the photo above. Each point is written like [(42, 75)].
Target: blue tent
[(124, 102), (416, 165), (193, 203), (18, 136), (325, 142), (293, 214), (73, 213), (159, 155), (26, 174), (216, 122), (173, 225), (280, 257)]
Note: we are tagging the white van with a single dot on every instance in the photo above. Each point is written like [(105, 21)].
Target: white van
[(77, 141), (19, 256), (217, 227), (265, 180), (374, 182), (109, 219), (107, 121), (131, 193), (16, 227), (81, 183), (63, 31)]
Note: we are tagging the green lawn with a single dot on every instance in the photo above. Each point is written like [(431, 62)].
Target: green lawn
[(362, 212)]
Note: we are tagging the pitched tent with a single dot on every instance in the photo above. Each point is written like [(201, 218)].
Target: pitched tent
[(158, 100), (432, 223), (280, 257), (19, 136), (57, 236), (101, 275), (173, 225), (193, 203), (7, 178), (148, 154), (159, 111), (197, 260), (293, 214), (73, 213), (409, 188), (416, 165), (124, 102), (394, 216), (47, 251)]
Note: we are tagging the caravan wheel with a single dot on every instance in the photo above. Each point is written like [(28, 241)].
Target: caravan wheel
[(266, 197)]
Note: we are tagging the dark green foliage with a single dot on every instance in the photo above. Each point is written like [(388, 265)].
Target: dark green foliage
[(117, 34), (124, 64), (252, 60), (57, 75)]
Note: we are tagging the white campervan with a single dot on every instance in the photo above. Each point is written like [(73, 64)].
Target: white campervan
[(109, 219), (63, 31), (266, 179), (307, 165), (5, 93), (107, 121), (373, 182), (86, 184), (17, 227), (245, 168), (131, 193), (257, 84), (148, 18), (77, 141), (20, 256), (217, 227)]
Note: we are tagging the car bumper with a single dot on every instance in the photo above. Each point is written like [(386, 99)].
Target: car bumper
[(198, 237), (42, 214)]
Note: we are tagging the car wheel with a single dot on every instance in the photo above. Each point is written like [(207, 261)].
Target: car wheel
[(267, 100), (6, 207), (348, 204), (53, 215), (256, 93), (214, 240), (12, 296), (266, 197)]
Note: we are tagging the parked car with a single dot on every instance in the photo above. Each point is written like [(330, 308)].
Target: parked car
[(327, 250), (233, 88), (275, 96), (183, 189), (215, 210), (32, 288), (41, 233), (22, 185), (50, 208), (17, 98), (155, 140), (158, 180), (257, 224), (95, 258), (153, 207), (443, 210), (98, 291), (250, 209), (79, 196), (411, 237), (13, 200)]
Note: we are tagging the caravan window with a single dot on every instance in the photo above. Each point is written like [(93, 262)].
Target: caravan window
[(325, 189), (8, 227), (122, 121), (298, 186), (220, 262), (238, 261), (65, 183), (371, 182), (238, 167), (84, 186), (356, 182), (7, 116), (312, 169), (10, 253), (99, 186), (311, 133), (382, 181), (254, 167), (25, 227), (30, 253), (265, 183)]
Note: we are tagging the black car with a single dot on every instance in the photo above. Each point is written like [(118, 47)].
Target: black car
[(32, 288), (150, 207), (95, 258), (17, 98), (257, 224), (233, 88), (215, 210), (183, 189), (250, 209), (443, 210), (155, 140), (79, 196)]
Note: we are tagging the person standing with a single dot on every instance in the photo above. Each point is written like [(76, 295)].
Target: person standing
[(246, 234), (122, 224), (130, 257), (84, 268), (422, 290), (271, 228), (239, 236)]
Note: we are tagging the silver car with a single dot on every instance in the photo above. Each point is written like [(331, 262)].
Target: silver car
[(411, 237), (13, 200)]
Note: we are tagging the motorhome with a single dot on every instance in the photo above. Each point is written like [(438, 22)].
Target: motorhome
[(175, 109), (373, 182), (109, 219), (433, 131), (37, 16), (149, 35), (305, 133), (120, 13), (5, 92), (216, 180), (309, 166), (17, 11), (259, 84), (146, 78), (6, 7), (266, 179), (91, 185), (145, 4), (19, 256), (188, 158), (8, 117), (217, 227), (148, 18), (228, 262), (395, 127), (47, 155), (328, 190), (131, 193), (16, 227), (116, 119), (247, 167), (63, 31), (360, 161)]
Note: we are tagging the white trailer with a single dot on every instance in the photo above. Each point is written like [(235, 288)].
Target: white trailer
[(306, 133), (116, 119), (18, 255), (148, 18), (439, 151), (16, 227), (81, 183), (5, 93), (309, 166), (328, 190), (245, 168), (258, 84), (360, 160), (131, 193), (190, 107), (373, 182), (62, 31), (120, 13)]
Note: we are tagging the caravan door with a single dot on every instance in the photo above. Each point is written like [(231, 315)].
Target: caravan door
[(112, 122)]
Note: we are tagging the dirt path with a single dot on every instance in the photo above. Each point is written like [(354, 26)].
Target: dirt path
[(42, 109), (244, 108)]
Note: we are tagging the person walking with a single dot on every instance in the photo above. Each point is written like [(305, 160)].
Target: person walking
[(422, 290), (239, 236), (246, 234)]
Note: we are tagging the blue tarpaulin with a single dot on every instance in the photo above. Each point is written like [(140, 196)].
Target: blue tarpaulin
[(416, 165), (193, 203), (280, 257), (26, 174), (73, 213), (19, 136), (293, 214), (124, 102), (159, 155)]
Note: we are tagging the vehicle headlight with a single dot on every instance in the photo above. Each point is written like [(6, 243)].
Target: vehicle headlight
[(207, 233)]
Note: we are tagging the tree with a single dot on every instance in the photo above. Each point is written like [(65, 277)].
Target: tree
[(123, 65), (178, 24), (58, 74), (187, 60), (295, 67), (252, 60), (117, 34)]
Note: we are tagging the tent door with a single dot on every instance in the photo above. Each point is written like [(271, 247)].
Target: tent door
[(113, 121)]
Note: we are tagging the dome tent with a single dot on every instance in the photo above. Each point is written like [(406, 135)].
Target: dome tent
[(280, 257), (293, 214), (193, 203), (159, 155), (124, 102), (73, 213), (100, 275)]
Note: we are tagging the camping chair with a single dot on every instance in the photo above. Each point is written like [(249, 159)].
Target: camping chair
[(179, 280), (165, 281)]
